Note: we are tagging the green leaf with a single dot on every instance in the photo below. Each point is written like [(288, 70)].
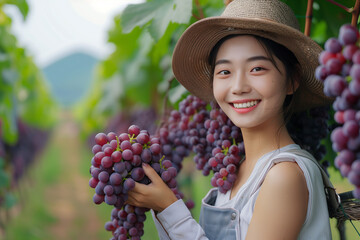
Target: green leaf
[(10, 200), (22, 6), (112, 91), (158, 14), (4, 179), (176, 93), (132, 71), (164, 45), (8, 119), (9, 76), (318, 32)]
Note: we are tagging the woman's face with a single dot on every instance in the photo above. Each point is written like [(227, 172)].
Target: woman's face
[(247, 85)]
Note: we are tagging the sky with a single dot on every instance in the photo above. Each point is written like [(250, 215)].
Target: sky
[(56, 28)]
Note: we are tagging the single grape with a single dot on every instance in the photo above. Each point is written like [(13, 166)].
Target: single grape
[(104, 176), (127, 154), (137, 174), (101, 139), (129, 184), (108, 190), (348, 34), (98, 199)]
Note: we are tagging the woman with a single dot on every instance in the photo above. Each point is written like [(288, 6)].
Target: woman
[(256, 64)]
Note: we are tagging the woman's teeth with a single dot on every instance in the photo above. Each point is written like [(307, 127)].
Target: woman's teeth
[(246, 104)]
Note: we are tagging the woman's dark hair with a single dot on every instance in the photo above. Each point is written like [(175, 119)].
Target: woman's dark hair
[(272, 49)]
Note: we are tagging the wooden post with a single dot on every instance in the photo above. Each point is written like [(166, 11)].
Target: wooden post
[(226, 2), (308, 18)]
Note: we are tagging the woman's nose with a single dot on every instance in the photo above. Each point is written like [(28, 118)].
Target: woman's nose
[(240, 84)]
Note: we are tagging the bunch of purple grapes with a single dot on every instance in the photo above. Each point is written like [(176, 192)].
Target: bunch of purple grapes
[(116, 166), (127, 223), (215, 140), (183, 130), (340, 71), (227, 149)]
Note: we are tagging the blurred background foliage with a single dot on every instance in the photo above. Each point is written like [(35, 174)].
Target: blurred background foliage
[(27, 108), (133, 85), (138, 73)]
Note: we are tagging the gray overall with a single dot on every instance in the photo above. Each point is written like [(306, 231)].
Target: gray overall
[(218, 223)]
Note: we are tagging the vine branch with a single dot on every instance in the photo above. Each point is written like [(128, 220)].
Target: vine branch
[(308, 20), (200, 11), (355, 13), (196, 16), (354, 10), (349, 10), (226, 2)]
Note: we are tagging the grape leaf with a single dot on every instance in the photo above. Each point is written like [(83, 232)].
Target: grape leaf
[(158, 14), (9, 128), (176, 93), (21, 5)]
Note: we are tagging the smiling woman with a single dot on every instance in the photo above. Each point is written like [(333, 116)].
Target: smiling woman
[(278, 192)]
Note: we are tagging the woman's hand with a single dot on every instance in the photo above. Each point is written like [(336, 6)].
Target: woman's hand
[(157, 195)]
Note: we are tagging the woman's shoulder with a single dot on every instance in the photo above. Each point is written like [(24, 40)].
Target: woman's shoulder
[(283, 176), (292, 167)]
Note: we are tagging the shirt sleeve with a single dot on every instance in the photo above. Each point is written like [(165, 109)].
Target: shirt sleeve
[(163, 235), (175, 222)]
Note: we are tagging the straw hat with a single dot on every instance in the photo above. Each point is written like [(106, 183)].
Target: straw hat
[(270, 19)]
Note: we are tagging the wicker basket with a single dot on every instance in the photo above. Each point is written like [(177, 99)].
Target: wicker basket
[(349, 208)]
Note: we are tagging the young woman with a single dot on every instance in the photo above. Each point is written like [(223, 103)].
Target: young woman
[(259, 68)]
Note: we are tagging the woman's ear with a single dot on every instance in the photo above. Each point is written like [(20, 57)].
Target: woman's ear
[(293, 86)]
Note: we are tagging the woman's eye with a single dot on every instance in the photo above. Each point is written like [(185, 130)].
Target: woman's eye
[(224, 72), (256, 69)]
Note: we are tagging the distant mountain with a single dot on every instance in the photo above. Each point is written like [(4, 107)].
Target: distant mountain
[(70, 77)]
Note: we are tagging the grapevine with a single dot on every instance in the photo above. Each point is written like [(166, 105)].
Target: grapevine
[(27, 112)]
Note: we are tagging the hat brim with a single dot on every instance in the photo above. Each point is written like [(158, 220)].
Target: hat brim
[(192, 69)]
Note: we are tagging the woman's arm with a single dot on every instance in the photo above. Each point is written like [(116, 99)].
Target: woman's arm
[(281, 207)]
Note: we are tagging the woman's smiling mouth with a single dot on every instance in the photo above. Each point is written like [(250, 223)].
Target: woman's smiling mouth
[(245, 106)]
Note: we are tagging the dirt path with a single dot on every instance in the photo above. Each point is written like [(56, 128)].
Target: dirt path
[(71, 200)]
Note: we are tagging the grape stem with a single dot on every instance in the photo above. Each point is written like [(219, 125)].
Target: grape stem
[(132, 138), (160, 161), (118, 145), (308, 20), (225, 151)]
